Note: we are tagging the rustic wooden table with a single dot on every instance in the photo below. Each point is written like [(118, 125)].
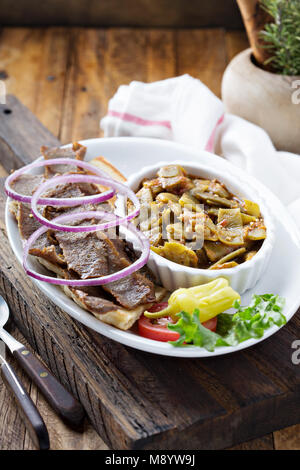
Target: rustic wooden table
[(66, 77)]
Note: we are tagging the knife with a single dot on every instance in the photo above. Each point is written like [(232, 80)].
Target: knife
[(32, 419), (66, 406)]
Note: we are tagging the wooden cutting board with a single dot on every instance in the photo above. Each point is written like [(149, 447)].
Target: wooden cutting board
[(137, 400)]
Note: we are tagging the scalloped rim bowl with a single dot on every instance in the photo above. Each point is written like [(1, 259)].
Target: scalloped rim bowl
[(242, 277)]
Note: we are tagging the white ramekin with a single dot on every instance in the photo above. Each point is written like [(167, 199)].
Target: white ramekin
[(242, 277)]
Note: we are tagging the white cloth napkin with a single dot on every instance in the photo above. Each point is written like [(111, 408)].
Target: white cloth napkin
[(186, 111)]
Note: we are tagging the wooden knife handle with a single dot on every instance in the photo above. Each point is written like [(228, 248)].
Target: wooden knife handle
[(30, 414), (68, 408)]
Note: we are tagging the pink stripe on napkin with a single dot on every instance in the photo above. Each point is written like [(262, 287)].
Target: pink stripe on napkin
[(148, 122), (138, 120), (210, 144)]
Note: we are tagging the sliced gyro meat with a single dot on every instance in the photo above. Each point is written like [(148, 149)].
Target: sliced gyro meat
[(99, 256), (77, 152)]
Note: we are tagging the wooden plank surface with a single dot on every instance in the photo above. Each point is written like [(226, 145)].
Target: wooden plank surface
[(150, 13), (66, 76), (202, 54), (13, 435)]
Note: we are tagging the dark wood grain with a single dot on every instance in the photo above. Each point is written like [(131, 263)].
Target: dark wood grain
[(13, 433), (138, 400), (30, 414), (151, 13), (261, 443), (202, 54), (21, 147), (287, 438), (69, 409)]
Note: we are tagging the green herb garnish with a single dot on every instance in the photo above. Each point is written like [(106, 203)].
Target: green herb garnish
[(248, 322)]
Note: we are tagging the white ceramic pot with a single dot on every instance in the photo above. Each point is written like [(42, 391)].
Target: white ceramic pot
[(271, 101)]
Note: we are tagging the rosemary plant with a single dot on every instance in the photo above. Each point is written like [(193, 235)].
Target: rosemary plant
[(282, 37)]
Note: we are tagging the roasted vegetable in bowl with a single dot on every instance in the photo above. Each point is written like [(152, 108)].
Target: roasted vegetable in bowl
[(198, 222)]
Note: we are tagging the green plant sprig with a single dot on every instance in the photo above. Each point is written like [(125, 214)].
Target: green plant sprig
[(282, 37)]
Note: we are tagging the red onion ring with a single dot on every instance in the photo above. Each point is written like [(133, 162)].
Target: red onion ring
[(40, 163), (100, 178), (144, 245), (60, 201), (74, 178), (74, 201)]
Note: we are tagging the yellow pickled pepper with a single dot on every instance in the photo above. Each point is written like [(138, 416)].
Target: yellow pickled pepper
[(211, 299)]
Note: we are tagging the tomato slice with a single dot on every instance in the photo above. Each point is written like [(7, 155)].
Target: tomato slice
[(158, 307), (211, 324), (155, 329), (158, 330)]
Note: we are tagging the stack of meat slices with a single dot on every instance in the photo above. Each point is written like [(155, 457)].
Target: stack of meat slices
[(86, 255)]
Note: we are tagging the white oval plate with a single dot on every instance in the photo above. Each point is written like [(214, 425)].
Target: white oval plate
[(129, 155)]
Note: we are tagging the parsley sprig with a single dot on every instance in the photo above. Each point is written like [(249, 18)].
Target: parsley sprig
[(247, 322)]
